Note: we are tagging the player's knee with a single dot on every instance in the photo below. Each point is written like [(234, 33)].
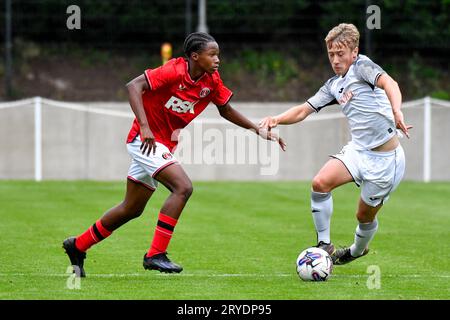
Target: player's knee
[(137, 212), (185, 190), (360, 217), (320, 185), (132, 211), (188, 191)]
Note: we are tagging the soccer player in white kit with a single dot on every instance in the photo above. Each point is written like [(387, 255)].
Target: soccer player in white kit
[(374, 158)]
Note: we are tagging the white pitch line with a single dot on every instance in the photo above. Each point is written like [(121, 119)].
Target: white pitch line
[(122, 275), (225, 275)]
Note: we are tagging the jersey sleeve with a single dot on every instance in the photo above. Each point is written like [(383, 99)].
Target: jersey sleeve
[(322, 98), (368, 71), (222, 95), (161, 76)]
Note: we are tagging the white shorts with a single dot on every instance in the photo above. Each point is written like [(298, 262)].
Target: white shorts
[(378, 173), (143, 168)]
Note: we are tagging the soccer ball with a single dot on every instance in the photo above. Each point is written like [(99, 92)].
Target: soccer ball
[(314, 264)]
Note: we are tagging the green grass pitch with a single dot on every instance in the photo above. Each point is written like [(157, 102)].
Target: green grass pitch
[(235, 241)]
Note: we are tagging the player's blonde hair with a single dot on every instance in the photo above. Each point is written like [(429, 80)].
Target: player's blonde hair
[(345, 33)]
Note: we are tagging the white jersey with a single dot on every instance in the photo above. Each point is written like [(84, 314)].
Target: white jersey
[(366, 107)]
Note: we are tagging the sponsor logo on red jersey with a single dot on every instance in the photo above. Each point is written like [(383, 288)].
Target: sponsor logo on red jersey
[(180, 106)]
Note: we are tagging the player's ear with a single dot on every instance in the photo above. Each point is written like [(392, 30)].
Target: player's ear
[(194, 56), (355, 52)]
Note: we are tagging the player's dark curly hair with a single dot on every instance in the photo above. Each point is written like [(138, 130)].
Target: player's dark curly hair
[(196, 42)]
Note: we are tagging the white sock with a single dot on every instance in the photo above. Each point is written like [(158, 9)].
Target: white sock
[(322, 208), (363, 235)]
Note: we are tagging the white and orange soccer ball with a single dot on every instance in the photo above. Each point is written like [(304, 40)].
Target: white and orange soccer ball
[(314, 264)]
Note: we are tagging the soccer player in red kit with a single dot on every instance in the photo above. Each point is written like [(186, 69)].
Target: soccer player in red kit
[(164, 100)]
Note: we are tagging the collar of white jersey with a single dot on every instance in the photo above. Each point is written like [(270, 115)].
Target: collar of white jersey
[(356, 60)]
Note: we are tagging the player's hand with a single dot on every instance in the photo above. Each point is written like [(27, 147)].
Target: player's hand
[(148, 141), (265, 132), (400, 123), (269, 135), (268, 123)]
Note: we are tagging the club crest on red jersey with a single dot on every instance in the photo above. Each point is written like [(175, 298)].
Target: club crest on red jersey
[(204, 92)]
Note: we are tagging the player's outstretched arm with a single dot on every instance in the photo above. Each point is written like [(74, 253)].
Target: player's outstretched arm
[(390, 86), (135, 88), (293, 115), (234, 116)]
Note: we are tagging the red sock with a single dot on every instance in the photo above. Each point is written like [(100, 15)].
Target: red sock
[(91, 236), (163, 234)]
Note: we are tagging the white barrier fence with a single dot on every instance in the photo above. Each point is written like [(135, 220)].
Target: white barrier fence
[(38, 103)]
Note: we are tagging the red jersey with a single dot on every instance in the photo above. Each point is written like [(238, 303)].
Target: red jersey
[(174, 100)]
